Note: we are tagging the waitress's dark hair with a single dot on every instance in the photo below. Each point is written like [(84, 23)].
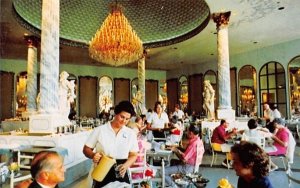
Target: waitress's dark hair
[(194, 129), (124, 106)]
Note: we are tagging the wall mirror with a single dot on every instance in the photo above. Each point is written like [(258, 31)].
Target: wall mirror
[(105, 94), (21, 97), (247, 91), (294, 80), (272, 87), (183, 92)]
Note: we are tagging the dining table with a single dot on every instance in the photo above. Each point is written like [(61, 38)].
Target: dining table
[(269, 147), (157, 152), (194, 180)]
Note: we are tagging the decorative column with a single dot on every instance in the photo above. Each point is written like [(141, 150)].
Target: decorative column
[(141, 80), (224, 109), (49, 57), (48, 106), (32, 67)]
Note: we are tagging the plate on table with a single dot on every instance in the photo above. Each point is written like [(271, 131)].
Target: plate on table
[(189, 175), (176, 176), (164, 151), (169, 144), (181, 182), (200, 180)]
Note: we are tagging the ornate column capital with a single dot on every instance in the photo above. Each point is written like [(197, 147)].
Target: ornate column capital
[(221, 18), (31, 40)]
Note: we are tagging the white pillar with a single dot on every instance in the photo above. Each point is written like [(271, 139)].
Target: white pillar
[(141, 80), (49, 57), (32, 69), (48, 107), (224, 109)]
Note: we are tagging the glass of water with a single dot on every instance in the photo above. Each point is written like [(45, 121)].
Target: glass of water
[(117, 170)]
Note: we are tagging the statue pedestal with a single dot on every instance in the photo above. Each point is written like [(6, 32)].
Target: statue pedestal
[(46, 123), (26, 114), (227, 114)]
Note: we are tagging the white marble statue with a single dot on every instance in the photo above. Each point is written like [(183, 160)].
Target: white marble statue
[(209, 103), (66, 93)]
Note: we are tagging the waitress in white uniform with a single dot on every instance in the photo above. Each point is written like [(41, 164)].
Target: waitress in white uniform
[(158, 121), (116, 140)]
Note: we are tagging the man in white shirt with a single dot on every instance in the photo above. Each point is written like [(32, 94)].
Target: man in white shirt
[(276, 113), (268, 113)]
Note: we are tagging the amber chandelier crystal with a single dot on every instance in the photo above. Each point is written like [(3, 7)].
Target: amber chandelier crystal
[(116, 43)]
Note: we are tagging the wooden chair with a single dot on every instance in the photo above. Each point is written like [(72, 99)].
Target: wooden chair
[(259, 140)]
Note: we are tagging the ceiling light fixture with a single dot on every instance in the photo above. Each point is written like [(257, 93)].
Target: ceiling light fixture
[(116, 43)]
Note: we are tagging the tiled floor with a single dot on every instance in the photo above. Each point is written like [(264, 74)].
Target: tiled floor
[(278, 178), (214, 174)]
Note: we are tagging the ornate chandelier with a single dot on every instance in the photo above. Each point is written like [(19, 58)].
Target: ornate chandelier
[(116, 43)]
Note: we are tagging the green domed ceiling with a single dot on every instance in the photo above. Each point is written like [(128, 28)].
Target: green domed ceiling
[(156, 22)]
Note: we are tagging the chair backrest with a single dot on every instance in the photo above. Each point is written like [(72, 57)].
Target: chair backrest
[(209, 135), (160, 178), (259, 140), (214, 146), (22, 156), (137, 170), (14, 180), (298, 130), (291, 148)]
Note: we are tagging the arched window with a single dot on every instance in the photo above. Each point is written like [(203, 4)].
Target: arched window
[(272, 87), (294, 80)]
